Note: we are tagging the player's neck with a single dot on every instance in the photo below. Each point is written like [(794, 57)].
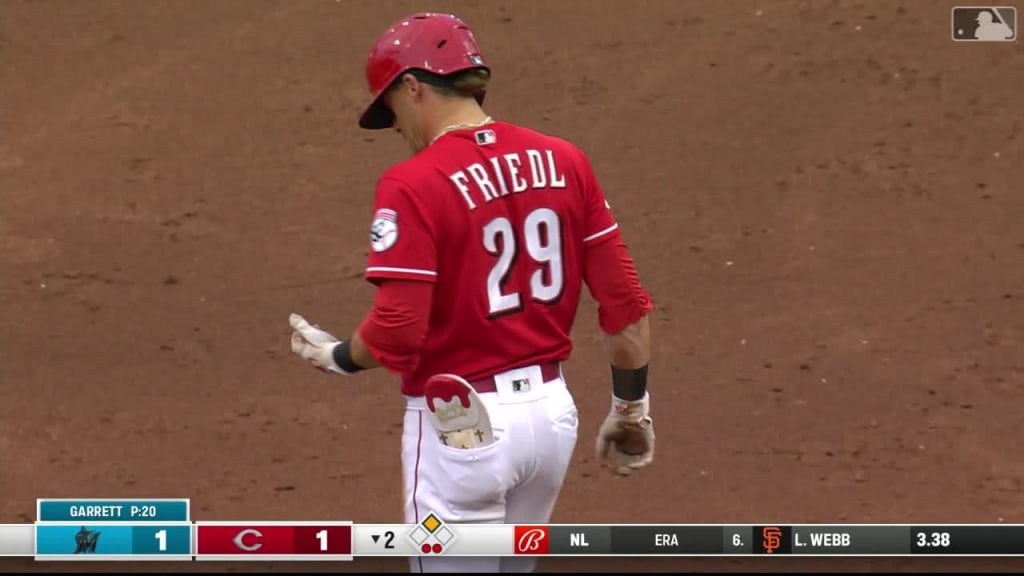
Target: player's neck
[(455, 115)]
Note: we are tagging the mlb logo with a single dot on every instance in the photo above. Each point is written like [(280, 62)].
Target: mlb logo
[(984, 24), (521, 385), (486, 137)]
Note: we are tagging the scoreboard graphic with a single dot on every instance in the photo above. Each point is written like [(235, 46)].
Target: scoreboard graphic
[(93, 529), (117, 529)]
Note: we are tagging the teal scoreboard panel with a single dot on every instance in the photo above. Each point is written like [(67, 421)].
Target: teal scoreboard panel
[(109, 529)]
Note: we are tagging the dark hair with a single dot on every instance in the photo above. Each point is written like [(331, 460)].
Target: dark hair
[(470, 83)]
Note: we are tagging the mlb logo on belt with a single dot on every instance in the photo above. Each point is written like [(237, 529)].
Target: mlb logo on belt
[(521, 385), (532, 540)]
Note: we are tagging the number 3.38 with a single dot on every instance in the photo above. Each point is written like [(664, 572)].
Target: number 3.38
[(933, 539)]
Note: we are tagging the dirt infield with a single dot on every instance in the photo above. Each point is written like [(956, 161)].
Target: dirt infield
[(824, 198)]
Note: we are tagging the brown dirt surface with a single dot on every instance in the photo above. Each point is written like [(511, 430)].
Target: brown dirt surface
[(823, 197)]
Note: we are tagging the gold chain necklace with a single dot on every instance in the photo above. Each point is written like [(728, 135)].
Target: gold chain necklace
[(453, 127)]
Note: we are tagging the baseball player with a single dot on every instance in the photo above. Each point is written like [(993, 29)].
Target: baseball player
[(480, 245)]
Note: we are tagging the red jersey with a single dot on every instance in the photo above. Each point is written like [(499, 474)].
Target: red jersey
[(497, 217)]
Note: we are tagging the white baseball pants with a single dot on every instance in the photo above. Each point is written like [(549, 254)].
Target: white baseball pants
[(515, 480)]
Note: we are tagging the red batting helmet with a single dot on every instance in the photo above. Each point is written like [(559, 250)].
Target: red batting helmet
[(438, 43)]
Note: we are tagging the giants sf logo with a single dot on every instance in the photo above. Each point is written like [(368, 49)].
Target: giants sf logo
[(531, 539)]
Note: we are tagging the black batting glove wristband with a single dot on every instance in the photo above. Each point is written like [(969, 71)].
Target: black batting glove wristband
[(629, 384), (342, 355)]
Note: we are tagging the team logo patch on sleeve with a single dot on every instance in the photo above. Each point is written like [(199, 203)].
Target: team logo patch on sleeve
[(384, 231)]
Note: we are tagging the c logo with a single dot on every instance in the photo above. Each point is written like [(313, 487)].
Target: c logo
[(531, 540), (239, 540)]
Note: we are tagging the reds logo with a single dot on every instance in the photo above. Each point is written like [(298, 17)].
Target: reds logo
[(239, 540), (531, 540)]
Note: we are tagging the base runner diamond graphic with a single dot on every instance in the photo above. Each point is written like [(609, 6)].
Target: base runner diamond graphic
[(431, 536)]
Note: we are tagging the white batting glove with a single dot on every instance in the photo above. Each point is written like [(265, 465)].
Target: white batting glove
[(314, 345), (627, 434)]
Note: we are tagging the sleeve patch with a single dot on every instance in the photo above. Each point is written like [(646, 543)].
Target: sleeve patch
[(384, 231)]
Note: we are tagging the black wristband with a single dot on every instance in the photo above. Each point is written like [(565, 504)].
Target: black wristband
[(629, 384), (342, 354)]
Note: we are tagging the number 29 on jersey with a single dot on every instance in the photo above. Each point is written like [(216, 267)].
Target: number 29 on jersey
[(539, 235)]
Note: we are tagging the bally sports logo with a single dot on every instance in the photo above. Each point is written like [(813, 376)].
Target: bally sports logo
[(532, 540)]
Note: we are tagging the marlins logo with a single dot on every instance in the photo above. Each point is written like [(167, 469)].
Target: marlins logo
[(384, 231), (85, 541)]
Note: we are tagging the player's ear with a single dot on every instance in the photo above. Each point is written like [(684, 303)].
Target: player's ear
[(413, 87)]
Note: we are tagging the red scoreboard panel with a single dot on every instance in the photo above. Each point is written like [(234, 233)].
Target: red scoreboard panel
[(289, 541)]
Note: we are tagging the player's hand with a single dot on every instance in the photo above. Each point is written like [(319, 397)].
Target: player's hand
[(314, 345), (627, 435)]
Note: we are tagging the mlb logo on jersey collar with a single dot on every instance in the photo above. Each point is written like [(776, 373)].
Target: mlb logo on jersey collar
[(485, 137)]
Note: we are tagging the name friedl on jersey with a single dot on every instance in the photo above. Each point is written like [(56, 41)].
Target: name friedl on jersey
[(509, 174)]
